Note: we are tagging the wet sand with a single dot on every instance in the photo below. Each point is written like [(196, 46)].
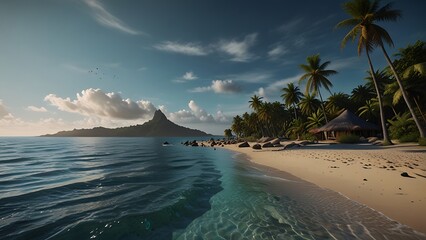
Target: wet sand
[(365, 173)]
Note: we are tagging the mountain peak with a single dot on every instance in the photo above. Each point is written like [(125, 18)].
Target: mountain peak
[(159, 116)]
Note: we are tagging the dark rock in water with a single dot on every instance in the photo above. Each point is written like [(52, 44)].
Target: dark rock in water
[(405, 174), (194, 144), (257, 146), (166, 143), (244, 144), (267, 145)]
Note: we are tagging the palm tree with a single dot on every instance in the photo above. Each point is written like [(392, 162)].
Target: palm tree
[(316, 75), (337, 102), (309, 104), (315, 120), (369, 110), (291, 96), (297, 127), (361, 93), (237, 126), (414, 85), (364, 13), (265, 115), (255, 102)]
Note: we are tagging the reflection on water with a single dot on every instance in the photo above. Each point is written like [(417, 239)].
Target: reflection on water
[(134, 188), (275, 205)]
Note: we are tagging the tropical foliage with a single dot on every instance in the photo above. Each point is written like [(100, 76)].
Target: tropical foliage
[(393, 97)]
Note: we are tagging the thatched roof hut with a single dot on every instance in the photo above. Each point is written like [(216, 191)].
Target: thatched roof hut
[(347, 122)]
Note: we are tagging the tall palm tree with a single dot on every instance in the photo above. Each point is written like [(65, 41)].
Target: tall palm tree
[(316, 75), (291, 96), (237, 126), (265, 116), (364, 13), (309, 104), (255, 102)]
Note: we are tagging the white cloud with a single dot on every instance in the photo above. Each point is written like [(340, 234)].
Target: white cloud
[(277, 51), (4, 113), (94, 102), (273, 88), (291, 26), (278, 85), (105, 18), (189, 76), (196, 114), (260, 92), (344, 63), (193, 49), (251, 77), (219, 86), (36, 109), (239, 50)]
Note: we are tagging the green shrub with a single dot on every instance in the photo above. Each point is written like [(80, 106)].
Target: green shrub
[(402, 126), (250, 139), (348, 138), (410, 137), (309, 136), (422, 141)]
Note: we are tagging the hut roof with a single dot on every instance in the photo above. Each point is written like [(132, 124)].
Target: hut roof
[(347, 121)]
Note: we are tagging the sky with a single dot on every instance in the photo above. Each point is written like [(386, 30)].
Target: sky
[(68, 64)]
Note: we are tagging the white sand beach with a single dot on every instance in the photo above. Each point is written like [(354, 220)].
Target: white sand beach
[(365, 173)]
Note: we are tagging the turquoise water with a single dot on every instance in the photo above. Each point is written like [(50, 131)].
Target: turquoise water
[(135, 188)]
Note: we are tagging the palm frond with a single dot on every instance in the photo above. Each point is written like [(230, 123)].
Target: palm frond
[(352, 34), (306, 68), (304, 77), (387, 14), (382, 34), (350, 22), (324, 65)]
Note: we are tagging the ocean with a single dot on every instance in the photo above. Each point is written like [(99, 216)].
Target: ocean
[(136, 188)]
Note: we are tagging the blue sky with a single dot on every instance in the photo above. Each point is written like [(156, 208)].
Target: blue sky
[(83, 63)]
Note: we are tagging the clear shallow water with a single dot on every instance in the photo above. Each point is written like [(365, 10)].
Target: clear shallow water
[(134, 188)]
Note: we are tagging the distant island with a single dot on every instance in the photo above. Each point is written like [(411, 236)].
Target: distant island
[(158, 126)]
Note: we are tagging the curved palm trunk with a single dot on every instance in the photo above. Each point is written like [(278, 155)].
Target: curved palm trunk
[(386, 139), (420, 110), (322, 106), (404, 94), (295, 111)]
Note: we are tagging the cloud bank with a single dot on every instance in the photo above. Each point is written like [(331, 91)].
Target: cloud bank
[(219, 86), (94, 102), (196, 114), (36, 109)]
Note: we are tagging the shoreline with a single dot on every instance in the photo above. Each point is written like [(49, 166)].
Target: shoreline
[(367, 174)]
